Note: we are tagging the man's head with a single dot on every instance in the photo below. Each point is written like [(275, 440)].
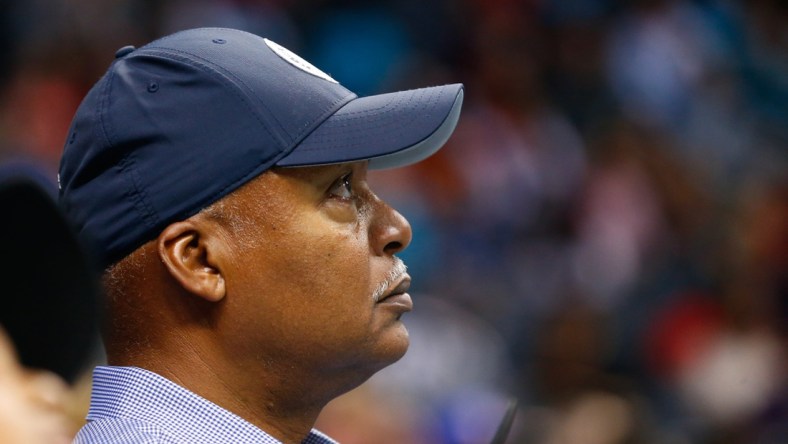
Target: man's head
[(223, 181), (183, 121), (297, 268)]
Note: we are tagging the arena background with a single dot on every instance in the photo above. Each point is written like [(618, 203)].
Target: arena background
[(604, 238)]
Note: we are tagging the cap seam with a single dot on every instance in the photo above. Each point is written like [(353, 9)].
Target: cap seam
[(386, 105), (325, 115), (184, 31), (105, 93), (308, 127), (137, 195), (382, 116), (140, 197), (379, 116)]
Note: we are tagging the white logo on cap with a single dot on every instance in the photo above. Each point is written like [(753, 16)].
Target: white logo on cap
[(297, 61)]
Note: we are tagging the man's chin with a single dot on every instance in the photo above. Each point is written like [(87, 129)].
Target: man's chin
[(390, 348), (393, 346)]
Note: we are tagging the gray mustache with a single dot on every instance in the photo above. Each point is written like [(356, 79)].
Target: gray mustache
[(392, 278)]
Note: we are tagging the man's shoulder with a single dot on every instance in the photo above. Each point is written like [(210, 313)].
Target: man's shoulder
[(122, 430)]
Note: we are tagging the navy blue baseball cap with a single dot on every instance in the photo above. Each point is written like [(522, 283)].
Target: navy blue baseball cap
[(183, 121)]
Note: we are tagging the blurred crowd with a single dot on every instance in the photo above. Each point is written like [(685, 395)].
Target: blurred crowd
[(604, 238)]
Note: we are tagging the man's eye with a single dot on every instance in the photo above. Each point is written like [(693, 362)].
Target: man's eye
[(343, 187)]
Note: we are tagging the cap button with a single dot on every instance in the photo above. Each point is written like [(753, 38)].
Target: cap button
[(123, 52)]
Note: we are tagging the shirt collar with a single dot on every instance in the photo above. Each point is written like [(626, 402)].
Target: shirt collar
[(138, 394)]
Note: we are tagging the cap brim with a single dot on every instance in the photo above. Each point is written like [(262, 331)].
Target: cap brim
[(390, 130)]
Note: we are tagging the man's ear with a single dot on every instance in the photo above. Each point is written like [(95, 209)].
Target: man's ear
[(185, 250)]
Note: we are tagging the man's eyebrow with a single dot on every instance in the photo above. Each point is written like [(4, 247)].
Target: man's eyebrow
[(318, 172), (320, 178)]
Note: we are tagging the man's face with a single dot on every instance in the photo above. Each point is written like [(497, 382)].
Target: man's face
[(313, 253)]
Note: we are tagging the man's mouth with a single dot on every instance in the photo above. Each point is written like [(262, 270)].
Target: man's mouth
[(401, 288), (393, 291), (397, 299), (393, 280)]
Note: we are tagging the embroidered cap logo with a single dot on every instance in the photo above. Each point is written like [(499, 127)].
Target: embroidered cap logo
[(297, 61)]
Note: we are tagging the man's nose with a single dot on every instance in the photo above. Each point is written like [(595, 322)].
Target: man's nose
[(390, 231)]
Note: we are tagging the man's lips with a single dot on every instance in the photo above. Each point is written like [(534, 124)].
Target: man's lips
[(400, 288), (398, 296)]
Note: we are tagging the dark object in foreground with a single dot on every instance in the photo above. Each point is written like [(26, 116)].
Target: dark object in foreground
[(49, 295), (506, 423)]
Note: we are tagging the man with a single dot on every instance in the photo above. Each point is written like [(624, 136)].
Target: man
[(251, 272)]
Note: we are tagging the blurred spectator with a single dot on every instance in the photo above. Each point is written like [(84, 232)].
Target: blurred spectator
[(32, 404), (49, 322), (658, 55)]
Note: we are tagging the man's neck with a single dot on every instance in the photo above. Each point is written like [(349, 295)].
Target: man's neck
[(264, 399)]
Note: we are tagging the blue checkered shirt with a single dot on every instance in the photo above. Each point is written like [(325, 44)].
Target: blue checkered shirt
[(130, 405)]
